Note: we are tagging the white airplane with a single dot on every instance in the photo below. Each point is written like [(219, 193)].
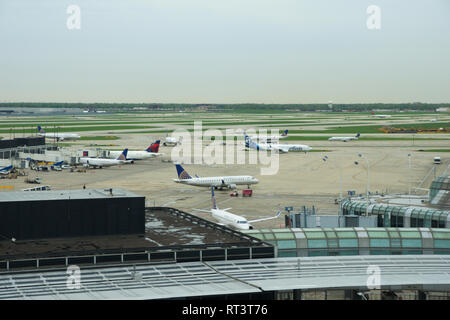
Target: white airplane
[(231, 219), (269, 139), (58, 136), (171, 141), (6, 170), (345, 139), (381, 116), (282, 148), (150, 152), (229, 182), (292, 147), (101, 162)]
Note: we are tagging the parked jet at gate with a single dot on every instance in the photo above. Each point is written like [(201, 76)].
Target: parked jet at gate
[(231, 219), (229, 182), (345, 139), (6, 170), (150, 152), (58, 136), (100, 162)]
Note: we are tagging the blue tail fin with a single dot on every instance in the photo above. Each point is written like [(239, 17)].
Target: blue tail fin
[(40, 129), (285, 133), (357, 135), (213, 198), (8, 168), (123, 155), (182, 174), (249, 143)]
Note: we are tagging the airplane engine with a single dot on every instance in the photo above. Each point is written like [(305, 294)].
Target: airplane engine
[(232, 186)]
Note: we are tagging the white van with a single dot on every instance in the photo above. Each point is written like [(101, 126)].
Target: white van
[(437, 160)]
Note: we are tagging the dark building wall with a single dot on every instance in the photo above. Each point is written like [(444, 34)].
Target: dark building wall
[(20, 142), (72, 218)]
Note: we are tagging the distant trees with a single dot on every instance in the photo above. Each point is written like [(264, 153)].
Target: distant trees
[(243, 107)]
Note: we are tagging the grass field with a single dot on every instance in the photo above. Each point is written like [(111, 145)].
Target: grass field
[(76, 129), (383, 138)]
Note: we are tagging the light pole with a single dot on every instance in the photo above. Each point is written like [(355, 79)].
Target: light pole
[(409, 175), (368, 180), (325, 158)]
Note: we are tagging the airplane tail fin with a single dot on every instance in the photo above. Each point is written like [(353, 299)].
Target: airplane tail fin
[(285, 133), (247, 140), (123, 155), (182, 174), (249, 143), (357, 135), (154, 147), (213, 199), (40, 129)]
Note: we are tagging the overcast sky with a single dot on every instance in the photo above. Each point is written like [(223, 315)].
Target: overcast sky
[(225, 51)]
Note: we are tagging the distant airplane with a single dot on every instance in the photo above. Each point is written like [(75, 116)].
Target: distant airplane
[(345, 139), (282, 148), (382, 116), (231, 219), (171, 141), (58, 136), (6, 170), (229, 182), (150, 152), (270, 138), (100, 162), (90, 109)]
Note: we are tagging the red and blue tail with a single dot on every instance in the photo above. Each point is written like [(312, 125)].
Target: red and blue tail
[(40, 129), (154, 147), (285, 133)]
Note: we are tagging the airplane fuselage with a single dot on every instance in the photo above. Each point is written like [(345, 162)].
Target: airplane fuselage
[(60, 136), (134, 155), (219, 182), (230, 219), (293, 147), (99, 162), (342, 139)]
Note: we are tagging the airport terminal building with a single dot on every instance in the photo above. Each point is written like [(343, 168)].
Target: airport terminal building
[(126, 251)]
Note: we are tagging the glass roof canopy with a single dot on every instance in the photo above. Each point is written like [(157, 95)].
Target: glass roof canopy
[(355, 241), (399, 216)]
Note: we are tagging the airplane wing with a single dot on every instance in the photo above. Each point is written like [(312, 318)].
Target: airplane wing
[(207, 211), (268, 218)]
